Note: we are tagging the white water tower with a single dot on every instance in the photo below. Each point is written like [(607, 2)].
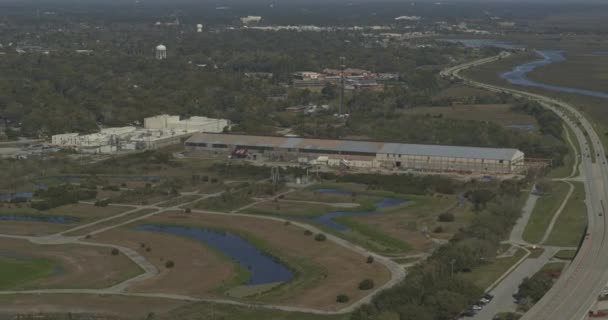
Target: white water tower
[(199, 28), (161, 52)]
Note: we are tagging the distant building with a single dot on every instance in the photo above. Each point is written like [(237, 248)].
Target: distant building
[(251, 20), (199, 28), (362, 154), (158, 131), (193, 124)]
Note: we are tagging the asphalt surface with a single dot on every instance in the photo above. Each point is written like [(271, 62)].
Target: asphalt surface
[(578, 288)]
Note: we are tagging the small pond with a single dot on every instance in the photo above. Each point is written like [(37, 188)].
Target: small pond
[(327, 219), (262, 268)]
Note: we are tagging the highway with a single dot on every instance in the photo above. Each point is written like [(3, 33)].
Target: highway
[(578, 288)]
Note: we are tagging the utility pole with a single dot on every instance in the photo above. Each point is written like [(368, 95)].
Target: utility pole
[(452, 267), (342, 67)]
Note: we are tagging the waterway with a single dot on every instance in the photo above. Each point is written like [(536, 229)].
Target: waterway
[(518, 76), (262, 268), (328, 219), (47, 219)]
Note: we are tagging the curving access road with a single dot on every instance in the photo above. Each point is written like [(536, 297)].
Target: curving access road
[(578, 288)]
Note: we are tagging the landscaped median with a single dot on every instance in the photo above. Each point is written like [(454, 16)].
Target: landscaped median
[(546, 207), (486, 275), (570, 225)]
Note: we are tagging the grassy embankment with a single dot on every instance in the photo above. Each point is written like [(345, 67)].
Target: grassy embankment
[(486, 275), (16, 272), (545, 208), (570, 225)]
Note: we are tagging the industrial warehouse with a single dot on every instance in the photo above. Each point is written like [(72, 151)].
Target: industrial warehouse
[(361, 154)]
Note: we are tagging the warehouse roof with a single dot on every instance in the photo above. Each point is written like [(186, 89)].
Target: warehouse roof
[(370, 147)]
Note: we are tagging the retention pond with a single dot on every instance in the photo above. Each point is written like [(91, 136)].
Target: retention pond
[(262, 268)]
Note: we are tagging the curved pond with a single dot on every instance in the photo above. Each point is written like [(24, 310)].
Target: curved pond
[(263, 269), (48, 219), (517, 76), (327, 219)]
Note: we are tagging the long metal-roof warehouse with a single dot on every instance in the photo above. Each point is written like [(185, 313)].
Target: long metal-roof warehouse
[(362, 154)]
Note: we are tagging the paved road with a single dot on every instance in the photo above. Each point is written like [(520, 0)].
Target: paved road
[(503, 293), (518, 230), (581, 283)]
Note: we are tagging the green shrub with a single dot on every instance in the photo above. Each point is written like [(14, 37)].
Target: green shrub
[(446, 217), (366, 284)]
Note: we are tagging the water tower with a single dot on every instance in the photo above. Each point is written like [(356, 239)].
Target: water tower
[(161, 52), (199, 28)]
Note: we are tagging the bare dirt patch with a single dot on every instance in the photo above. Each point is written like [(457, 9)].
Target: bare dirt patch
[(120, 306), (342, 268), (198, 270), (77, 266)]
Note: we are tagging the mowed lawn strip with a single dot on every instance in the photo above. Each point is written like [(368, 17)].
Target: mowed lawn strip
[(371, 237), (566, 254), (565, 169), (111, 222), (224, 311), (545, 208), (486, 275), (16, 272), (570, 225), (499, 113)]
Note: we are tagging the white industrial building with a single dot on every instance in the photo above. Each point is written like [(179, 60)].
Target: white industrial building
[(362, 154), (158, 131), (193, 124)]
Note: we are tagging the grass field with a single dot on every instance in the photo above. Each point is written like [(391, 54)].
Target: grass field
[(485, 275), (499, 113), (204, 310), (546, 206), (16, 272), (299, 209), (566, 169), (73, 266), (570, 225), (565, 254), (179, 200)]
